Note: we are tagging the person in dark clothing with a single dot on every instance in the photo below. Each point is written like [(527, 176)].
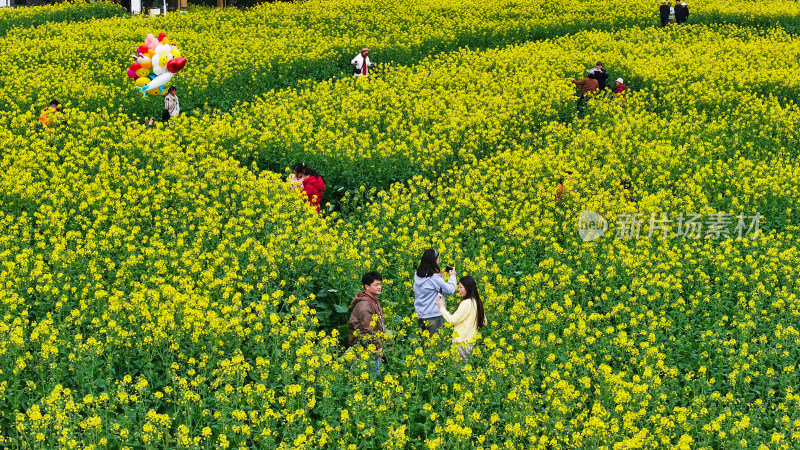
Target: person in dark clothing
[(600, 75), (664, 12), (684, 13), (678, 12)]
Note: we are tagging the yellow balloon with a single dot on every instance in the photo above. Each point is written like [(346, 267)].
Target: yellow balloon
[(151, 52), (175, 52), (165, 40), (142, 72), (141, 81), (146, 64), (162, 60), (154, 91)]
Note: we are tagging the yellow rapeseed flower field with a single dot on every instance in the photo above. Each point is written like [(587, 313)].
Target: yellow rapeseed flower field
[(164, 287)]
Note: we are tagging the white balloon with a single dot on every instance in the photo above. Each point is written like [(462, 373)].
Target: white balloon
[(157, 82), (157, 69)]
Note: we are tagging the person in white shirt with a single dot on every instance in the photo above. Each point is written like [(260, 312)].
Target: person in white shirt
[(361, 64), (171, 105), (468, 318)]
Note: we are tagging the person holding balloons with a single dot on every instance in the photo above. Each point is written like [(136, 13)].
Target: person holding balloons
[(171, 106), (155, 63)]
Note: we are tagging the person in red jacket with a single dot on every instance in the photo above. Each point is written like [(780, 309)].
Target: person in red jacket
[(312, 183), (619, 89), (564, 187)]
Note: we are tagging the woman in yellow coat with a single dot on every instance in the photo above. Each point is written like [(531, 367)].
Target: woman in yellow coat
[(468, 318)]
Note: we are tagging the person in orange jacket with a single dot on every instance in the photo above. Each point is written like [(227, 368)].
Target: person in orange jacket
[(50, 114)]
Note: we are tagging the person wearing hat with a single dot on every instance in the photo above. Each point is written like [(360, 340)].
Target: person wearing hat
[(664, 11), (361, 63), (678, 12), (619, 90), (684, 15)]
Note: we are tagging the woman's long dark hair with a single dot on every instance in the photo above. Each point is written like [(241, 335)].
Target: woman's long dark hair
[(472, 292), (305, 170), (428, 265)]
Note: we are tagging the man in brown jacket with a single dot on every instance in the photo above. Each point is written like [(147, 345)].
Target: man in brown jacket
[(589, 85), (367, 317)]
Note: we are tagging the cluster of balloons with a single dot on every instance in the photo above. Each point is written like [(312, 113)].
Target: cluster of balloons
[(154, 64)]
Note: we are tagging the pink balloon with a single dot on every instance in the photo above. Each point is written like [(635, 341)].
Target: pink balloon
[(151, 42), (132, 74)]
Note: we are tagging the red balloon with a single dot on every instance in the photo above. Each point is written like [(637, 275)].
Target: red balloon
[(135, 66), (143, 49), (161, 36), (175, 65)]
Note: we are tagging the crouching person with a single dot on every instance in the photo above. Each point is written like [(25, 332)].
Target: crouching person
[(366, 319)]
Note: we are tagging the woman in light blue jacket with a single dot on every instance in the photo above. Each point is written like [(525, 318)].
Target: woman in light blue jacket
[(428, 284)]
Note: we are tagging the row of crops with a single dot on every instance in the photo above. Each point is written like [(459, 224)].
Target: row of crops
[(163, 288)]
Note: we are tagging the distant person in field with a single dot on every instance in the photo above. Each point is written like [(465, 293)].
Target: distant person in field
[(428, 284), (366, 318), (625, 189), (588, 85), (588, 88), (468, 318), (564, 187), (664, 13), (296, 179), (149, 123), (600, 75), (684, 14), (678, 11), (361, 63), (50, 115), (171, 104), (312, 183), (671, 18), (619, 89)]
